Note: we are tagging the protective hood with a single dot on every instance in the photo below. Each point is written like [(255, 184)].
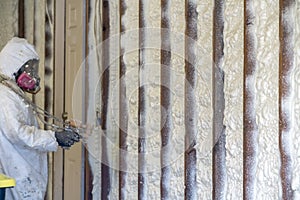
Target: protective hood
[(14, 54)]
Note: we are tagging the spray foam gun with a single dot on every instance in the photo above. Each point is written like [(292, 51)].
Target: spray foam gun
[(58, 124)]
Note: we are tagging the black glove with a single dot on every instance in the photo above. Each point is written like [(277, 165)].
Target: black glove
[(66, 138)]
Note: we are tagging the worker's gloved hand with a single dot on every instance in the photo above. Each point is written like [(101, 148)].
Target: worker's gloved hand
[(67, 138)]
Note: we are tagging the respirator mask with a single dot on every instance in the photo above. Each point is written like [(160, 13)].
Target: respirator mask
[(27, 77)]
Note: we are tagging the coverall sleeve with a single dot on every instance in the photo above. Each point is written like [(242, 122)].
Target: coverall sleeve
[(14, 125)]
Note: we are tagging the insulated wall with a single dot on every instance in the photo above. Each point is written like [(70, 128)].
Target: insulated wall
[(194, 99)]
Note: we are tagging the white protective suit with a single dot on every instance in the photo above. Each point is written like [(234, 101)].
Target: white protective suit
[(23, 146)]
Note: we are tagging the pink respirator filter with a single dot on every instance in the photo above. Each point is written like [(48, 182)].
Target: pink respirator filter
[(26, 82)]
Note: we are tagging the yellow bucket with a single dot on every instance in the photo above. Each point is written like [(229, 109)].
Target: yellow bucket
[(5, 182)]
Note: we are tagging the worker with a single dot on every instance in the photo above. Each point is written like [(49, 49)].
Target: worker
[(23, 145)]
